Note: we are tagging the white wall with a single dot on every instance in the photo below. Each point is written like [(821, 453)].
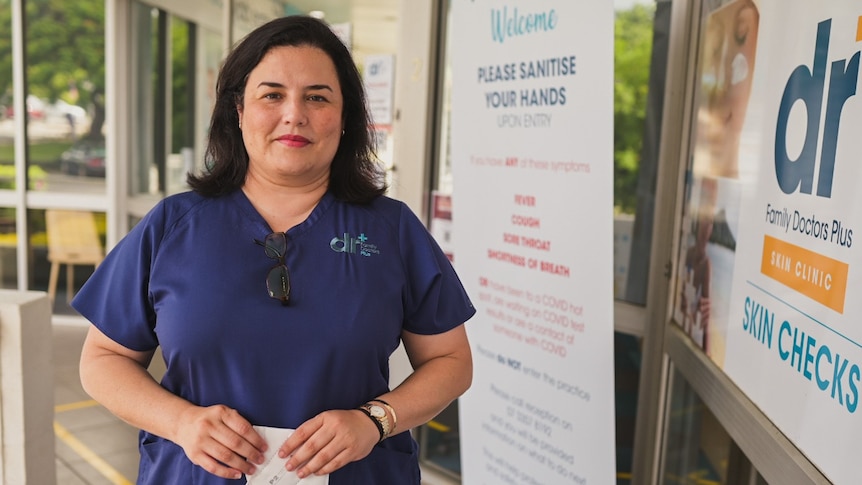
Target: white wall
[(26, 389)]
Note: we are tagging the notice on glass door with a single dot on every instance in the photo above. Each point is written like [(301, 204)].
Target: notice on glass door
[(532, 205)]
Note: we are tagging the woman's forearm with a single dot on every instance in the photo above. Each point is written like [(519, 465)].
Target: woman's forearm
[(429, 389), (443, 370)]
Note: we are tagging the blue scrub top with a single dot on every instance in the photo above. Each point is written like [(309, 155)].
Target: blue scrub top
[(191, 279)]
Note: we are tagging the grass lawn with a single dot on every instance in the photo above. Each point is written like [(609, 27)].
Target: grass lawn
[(43, 156), (44, 153)]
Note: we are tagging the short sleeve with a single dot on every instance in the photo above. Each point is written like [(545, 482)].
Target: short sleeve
[(115, 298), (435, 299)]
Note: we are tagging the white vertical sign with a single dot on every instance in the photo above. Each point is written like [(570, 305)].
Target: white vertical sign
[(379, 77), (532, 155)]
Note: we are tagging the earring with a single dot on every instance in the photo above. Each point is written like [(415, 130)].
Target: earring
[(342, 132)]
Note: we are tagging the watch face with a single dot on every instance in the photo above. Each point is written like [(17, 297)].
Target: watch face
[(377, 411)]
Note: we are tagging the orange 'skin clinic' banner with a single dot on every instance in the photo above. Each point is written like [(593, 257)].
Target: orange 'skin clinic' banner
[(816, 276)]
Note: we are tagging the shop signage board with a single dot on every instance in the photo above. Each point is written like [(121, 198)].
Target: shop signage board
[(532, 208), (776, 195), (379, 79)]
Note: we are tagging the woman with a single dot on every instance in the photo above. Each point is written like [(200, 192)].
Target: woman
[(278, 289)]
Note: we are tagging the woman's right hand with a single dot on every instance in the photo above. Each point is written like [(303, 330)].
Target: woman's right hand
[(220, 441)]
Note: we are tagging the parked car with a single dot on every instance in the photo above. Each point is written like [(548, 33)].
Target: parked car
[(85, 158), (35, 108)]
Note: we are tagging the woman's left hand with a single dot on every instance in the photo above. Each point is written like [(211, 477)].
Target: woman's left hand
[(329, 441)]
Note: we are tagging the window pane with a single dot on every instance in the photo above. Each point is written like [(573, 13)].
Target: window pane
[(698, 448), (8, 249), (164, 125), (133, 221), (627, 365), (65, 247), (640, 57), (143, 175), (440, 443), (7, 124), (181, 157), (209, 60), (65, 99)]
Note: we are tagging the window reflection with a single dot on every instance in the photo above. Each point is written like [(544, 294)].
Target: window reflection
[(65, 100)]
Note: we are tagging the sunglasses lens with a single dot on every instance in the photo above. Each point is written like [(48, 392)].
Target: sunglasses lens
[(275, 245), (277, 280), (278, 283)]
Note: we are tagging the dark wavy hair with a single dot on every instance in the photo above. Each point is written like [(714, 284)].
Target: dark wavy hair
[(355, 174)]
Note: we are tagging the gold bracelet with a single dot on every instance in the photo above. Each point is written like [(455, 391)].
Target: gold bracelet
[(391, 411)]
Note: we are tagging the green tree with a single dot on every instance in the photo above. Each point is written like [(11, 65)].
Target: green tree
[(181, 117), (633, 31), (5, 49), (65, 51)]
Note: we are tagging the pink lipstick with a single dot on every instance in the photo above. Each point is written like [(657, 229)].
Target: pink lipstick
[(294, 140)]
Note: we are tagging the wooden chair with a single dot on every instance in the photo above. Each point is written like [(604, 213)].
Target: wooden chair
[(72, 240)]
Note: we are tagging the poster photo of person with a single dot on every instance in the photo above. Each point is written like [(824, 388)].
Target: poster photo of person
[(713, 190), (727, 58), (706, 262)]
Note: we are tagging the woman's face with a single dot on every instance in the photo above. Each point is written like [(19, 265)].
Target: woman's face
[(291, 116)]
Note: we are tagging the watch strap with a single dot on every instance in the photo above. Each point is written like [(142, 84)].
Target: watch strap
[(375, 420)]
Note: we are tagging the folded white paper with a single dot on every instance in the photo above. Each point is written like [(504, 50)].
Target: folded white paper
[(272, 472)]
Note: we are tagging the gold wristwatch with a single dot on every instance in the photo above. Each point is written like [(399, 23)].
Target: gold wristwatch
[(378, 413)]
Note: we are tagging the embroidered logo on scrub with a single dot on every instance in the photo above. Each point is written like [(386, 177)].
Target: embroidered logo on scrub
[(353, 245)]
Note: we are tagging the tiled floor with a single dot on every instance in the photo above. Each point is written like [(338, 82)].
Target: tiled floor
[(92, 446)]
